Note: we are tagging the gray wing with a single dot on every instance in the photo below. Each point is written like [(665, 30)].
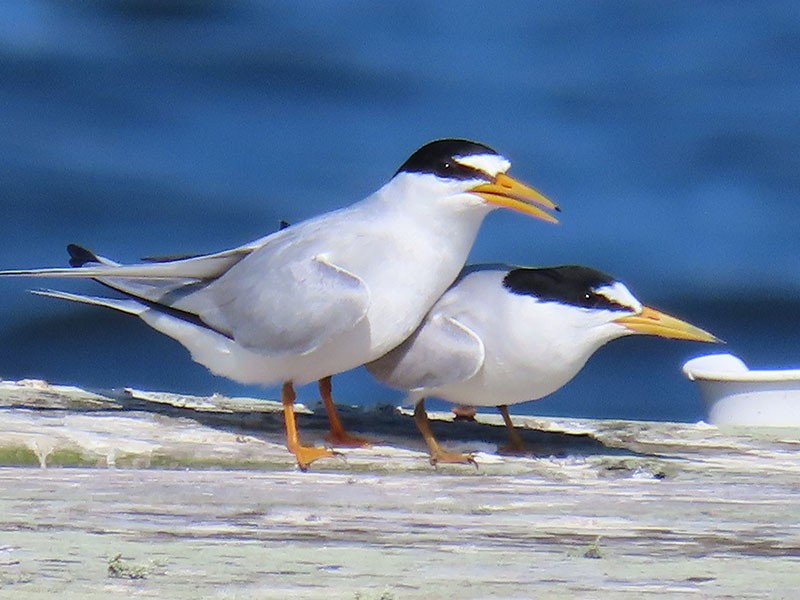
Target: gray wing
[(273, 296), (278, 303), (203, 267), (440, 352), (158, 290)]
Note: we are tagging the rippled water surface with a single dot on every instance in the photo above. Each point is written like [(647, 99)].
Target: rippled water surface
[(668, 133)]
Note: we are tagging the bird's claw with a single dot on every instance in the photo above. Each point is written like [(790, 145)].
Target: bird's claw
[(444, 457), (347, 440), (305, 455)]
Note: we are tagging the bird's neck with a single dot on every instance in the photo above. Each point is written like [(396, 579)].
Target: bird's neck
[(454, 218)]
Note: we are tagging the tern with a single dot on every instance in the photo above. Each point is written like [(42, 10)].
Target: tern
[(505, 335), (324, 295)]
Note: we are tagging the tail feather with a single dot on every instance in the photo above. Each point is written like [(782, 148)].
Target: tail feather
[(153, 291), (135, 305), (141, 294), (125, 305), (89, 265), (168, 258), (80, 256)]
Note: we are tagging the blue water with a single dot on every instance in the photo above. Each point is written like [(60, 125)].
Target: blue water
[(667, 132)]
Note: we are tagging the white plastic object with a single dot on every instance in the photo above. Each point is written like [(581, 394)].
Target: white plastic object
[(736, 395)]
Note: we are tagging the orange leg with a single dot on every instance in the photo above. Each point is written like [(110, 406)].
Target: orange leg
[(305, 454), (337, 436), (515, 443), (437, 454)]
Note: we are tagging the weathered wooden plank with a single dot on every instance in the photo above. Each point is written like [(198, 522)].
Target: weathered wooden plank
[(198, 498)]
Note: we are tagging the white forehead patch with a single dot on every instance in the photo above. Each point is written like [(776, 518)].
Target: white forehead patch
[(491, 164), (617, 292)]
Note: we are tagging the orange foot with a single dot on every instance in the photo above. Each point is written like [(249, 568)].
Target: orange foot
[(346, 440), (305, 455), (337, 435), (443, 456)]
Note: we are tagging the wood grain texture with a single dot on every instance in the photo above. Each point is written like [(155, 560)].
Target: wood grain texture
[(169, 496)]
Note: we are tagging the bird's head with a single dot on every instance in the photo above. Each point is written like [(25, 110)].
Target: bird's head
[(454, 167), (592, 306)]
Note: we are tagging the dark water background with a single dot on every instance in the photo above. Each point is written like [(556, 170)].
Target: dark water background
[(668, 132)]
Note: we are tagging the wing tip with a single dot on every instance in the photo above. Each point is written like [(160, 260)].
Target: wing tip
[(80, 256)]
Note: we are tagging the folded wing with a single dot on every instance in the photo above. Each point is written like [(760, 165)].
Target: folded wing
[(273, 299), (442, 351)]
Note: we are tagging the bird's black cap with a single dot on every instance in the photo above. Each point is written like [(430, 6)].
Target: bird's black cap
[(572, 284), (437, 157)]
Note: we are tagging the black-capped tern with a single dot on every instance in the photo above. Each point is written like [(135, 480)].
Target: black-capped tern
[(505, 335), (327, 294)]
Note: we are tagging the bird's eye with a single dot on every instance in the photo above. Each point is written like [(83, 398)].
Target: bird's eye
[(448, 166), (587, 296)]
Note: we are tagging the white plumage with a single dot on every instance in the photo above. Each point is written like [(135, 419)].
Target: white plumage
[(327, 294), (504, 335)]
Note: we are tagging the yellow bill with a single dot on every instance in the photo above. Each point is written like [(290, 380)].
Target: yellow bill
[(507, 192), (653, 322)]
